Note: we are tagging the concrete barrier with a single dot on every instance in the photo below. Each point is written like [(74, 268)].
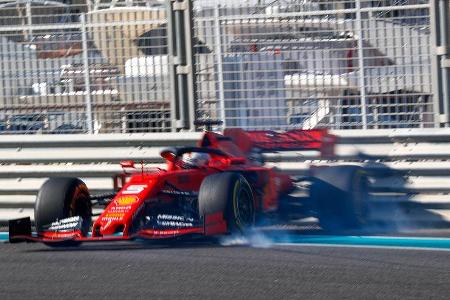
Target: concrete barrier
[(408, 166)]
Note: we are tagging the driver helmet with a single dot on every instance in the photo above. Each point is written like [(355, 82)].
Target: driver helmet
[(195, 159)]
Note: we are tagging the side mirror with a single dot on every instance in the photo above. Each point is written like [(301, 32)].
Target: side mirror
[(168, 155), (127, 164)]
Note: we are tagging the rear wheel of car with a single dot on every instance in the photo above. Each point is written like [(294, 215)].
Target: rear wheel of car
[(229, 193), (61, 198), (340, 194)]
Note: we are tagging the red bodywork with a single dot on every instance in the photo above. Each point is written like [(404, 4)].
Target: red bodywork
[(145, 191)]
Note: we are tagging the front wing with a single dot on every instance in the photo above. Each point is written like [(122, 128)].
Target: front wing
[(20, 231)]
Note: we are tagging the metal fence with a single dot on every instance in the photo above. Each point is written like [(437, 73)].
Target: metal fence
[(100, 67), (338, 64), (96, 66)]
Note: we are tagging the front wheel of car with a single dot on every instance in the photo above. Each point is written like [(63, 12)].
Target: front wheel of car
[(231, 194), (61, 198)]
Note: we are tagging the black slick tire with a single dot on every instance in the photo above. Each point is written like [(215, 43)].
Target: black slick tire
[(340, 194), (61, 198), (229, 193)]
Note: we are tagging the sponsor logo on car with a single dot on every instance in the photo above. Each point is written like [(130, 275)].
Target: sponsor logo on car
[(126, 200), (113, 216), (174, 220), (68, 224), (174, 217), (120, 208), (166, 232)]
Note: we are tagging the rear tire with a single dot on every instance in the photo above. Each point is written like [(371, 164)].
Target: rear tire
[(341, 195), (229, 193), (61, 198)]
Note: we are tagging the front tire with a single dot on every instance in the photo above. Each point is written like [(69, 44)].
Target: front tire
[(229, 193), (61, 198)]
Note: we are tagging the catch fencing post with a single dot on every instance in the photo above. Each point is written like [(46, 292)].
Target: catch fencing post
[(440, 43), (181, 63), (362, 80), (219, 56), (87, 82)]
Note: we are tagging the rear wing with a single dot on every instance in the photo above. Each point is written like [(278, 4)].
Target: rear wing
[(297, 139)]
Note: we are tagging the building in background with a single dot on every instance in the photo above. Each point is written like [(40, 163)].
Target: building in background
[(259, 64), (337, 62), (254, 94)]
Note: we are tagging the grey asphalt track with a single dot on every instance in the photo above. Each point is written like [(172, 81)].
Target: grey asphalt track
[(210, 271)]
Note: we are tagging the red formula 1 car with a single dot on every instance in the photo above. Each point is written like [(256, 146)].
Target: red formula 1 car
[(218, 187)]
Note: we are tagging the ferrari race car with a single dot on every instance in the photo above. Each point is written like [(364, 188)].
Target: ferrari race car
[(220, 186)]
